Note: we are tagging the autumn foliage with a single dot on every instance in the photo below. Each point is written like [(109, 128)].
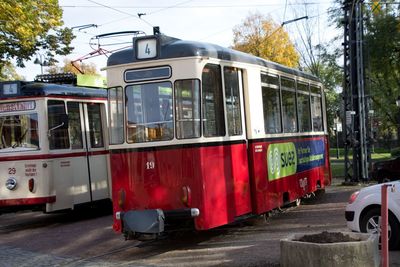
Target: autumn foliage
[(262, 37), (29, 26)]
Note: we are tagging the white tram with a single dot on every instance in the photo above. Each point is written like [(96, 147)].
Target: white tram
[(53, 145)]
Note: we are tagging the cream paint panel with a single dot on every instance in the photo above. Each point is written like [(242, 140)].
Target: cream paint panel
[(62, 170), (186, 68), (254, 105), (71, 183), (22, 171), (80, 177), (98, 173)]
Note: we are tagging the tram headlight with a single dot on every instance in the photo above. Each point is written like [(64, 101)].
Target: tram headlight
[(11, 183)]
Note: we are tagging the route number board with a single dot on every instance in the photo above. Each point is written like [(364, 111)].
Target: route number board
[(146, 48)]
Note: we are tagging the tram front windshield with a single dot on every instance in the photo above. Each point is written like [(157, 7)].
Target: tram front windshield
[(19, 132)]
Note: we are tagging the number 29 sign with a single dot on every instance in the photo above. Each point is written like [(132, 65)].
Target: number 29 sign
[(146, 48)]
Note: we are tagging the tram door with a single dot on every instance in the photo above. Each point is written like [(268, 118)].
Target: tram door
[(96, 150), (80, 176)]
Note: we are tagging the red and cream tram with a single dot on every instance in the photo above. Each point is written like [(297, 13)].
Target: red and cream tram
[(209, 135), (52, 145)]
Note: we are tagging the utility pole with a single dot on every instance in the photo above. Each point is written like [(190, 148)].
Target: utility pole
[(356, 134)]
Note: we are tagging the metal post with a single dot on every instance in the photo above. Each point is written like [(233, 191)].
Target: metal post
[(355, 104), (337, 143), (384, 227)]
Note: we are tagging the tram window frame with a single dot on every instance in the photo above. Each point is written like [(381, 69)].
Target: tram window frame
[(58, 133), (95, 125), (316, 104), (213, 121), (187, 109), (233, 105), (75, 125), (289, 101), (116, 127), (139, 111), (272, 112), (304, 109)]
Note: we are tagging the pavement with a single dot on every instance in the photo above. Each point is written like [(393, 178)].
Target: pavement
[(87, 239)]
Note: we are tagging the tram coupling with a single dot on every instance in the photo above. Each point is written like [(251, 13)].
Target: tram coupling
[(150, 224)]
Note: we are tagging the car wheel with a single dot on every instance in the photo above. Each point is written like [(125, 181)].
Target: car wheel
[(371, 223)]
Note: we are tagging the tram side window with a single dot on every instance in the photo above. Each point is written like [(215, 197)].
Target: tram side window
[(116, 111), (232, 100), (303, 107), (149, 116), (213, 107), (289, 105), (95, 125), (271, 103), (74, 125), (59, 138), (19, 131), (187, 109), (316, 108)]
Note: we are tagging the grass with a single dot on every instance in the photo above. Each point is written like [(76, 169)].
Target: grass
[(337, 169), (337, 165)]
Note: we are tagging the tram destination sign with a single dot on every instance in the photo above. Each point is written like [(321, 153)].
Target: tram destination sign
[(17, 106)]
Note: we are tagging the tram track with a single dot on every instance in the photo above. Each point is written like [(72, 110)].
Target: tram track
[(13, 225), (109, 253)]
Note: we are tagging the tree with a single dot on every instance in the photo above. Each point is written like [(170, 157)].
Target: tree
[(8, 73), (381, 60), (383, 56), (27, 26), (84, 67), (319, 59), (262, 37)]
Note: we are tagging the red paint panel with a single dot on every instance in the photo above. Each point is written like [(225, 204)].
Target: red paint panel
[(27, 201), (216, 175)]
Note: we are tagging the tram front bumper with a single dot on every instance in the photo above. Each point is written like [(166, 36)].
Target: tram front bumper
[(136, 222)]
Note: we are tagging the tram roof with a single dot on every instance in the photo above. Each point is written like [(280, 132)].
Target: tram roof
[(170, 47), (23, 88)]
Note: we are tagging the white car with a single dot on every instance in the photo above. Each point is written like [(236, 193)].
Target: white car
[(363, 213)]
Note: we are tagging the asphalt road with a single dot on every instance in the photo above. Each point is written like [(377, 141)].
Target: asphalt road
[(87, 238)]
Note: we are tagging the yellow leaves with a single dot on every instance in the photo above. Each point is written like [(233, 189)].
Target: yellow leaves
[(264, 38), (30, 25), (376, 7), (27, 21)]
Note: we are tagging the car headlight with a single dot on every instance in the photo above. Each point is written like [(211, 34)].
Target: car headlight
[(353, 197)]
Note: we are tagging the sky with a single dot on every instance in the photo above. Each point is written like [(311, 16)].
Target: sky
[(197, 20)]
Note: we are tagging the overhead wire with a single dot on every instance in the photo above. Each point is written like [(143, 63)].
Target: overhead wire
[(179, 5), (120, 11)]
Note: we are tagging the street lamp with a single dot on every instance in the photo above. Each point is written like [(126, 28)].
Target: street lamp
[(40, 60)]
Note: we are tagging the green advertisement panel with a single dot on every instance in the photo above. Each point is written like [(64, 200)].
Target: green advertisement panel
[(282, 160)]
